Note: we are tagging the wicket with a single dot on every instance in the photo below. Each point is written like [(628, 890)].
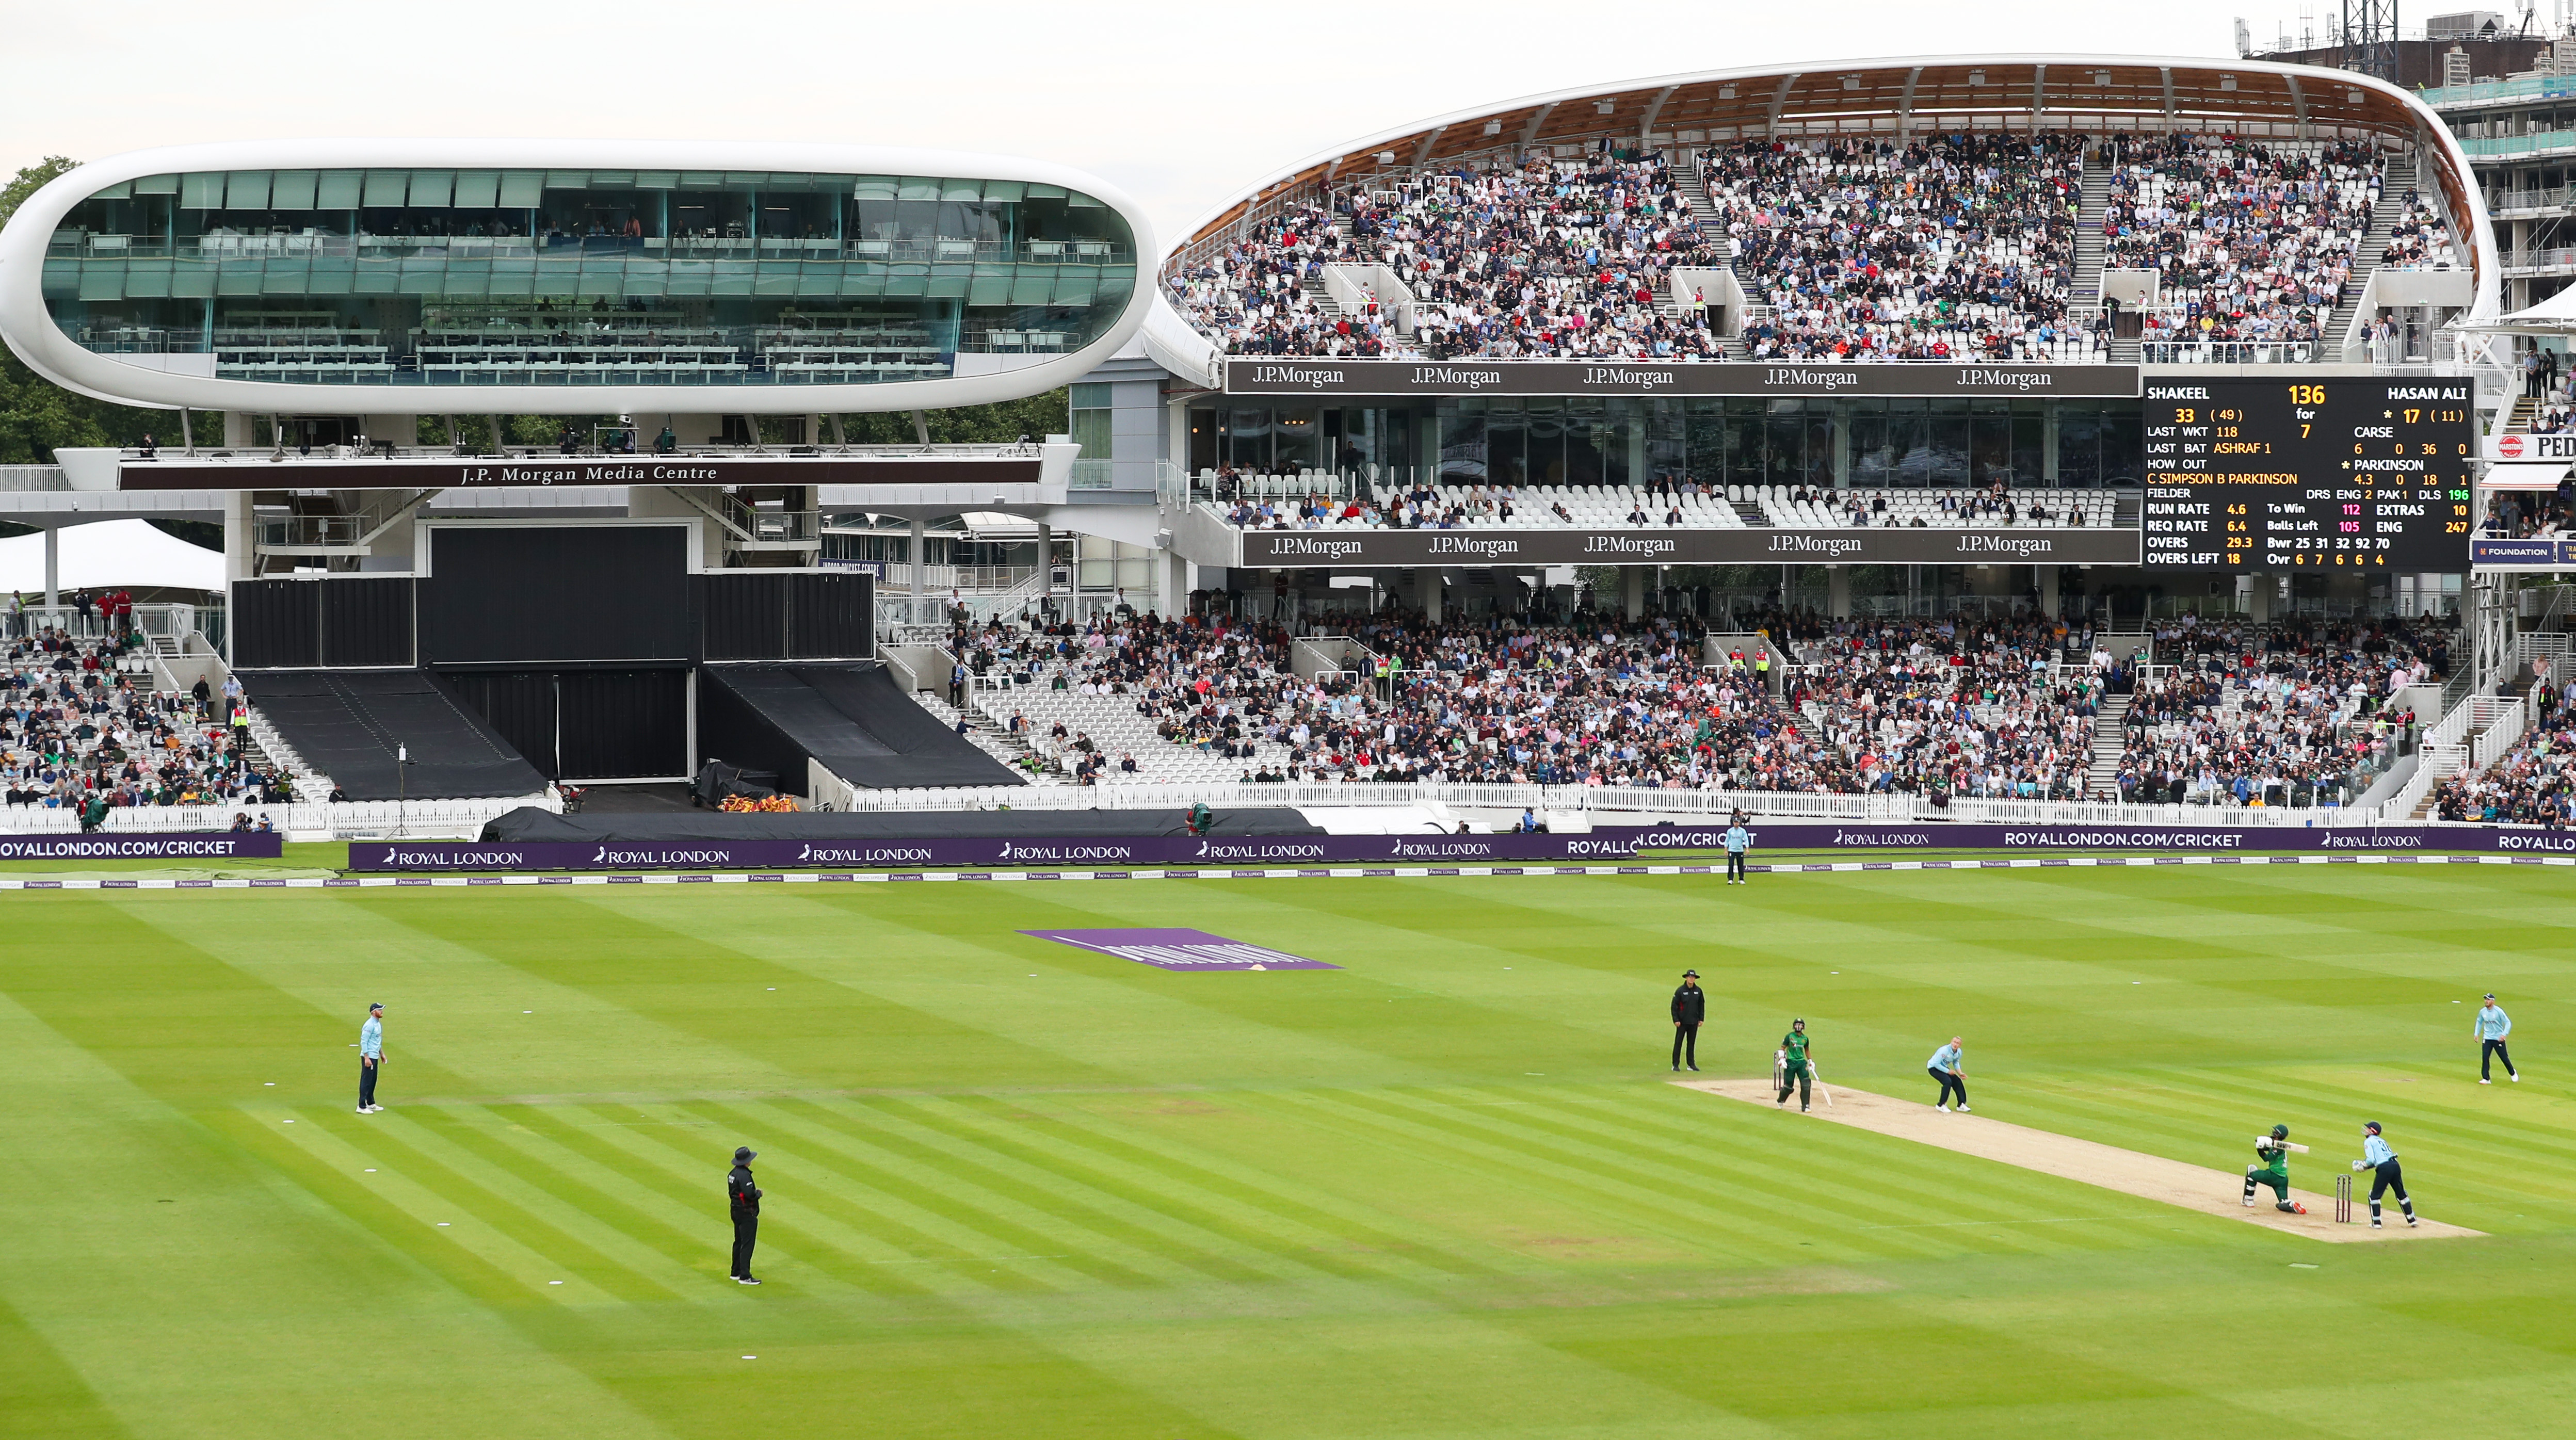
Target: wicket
[(2343, 1199)]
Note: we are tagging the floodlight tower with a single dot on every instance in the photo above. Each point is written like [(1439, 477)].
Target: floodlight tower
[(2370, 38)]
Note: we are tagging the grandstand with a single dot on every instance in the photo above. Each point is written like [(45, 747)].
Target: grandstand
[(1779, 437)]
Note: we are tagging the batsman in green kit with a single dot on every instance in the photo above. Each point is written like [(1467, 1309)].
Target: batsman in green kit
[(2272, 1168), (1792, 1070)]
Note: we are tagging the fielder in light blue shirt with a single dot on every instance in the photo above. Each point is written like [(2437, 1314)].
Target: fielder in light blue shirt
[(1738, 840), (371, 1058), (1944, 1069), (2491, 1026)]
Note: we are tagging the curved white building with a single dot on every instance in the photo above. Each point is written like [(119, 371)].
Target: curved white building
[(445, 277)]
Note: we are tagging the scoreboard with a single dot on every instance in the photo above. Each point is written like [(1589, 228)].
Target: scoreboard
[(2332, 473)]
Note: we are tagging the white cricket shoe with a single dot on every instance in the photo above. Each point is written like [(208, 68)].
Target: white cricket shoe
[(2486, 1082), (1963, 1110), (1944, 1107)]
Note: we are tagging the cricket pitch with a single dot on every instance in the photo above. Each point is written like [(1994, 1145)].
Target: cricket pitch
[(2149, 1177)]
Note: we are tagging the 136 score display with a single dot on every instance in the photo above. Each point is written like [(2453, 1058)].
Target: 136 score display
[(2332, 473)]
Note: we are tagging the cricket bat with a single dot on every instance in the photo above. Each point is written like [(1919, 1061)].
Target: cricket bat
[(2266, 1142)]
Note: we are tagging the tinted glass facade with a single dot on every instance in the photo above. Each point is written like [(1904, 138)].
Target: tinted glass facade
[(586, 277)]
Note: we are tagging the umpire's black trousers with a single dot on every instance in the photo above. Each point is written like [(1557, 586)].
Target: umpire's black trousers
[(1685, 1043), (746, 1232)]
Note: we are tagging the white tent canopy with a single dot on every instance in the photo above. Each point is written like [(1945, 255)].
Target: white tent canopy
[(111, 555), (2553, 316)]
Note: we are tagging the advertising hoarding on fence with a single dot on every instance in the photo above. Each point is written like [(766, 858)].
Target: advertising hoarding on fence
[(1253, 375), (1651, 545), (202, 846), (1216, 854)]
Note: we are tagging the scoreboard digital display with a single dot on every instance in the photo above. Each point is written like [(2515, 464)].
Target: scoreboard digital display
[(2330, 473)]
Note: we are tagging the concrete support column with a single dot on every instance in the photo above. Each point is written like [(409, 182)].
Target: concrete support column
[(53, 565), (2048, 589), (1172, 587), (237, 430), (240, 540), (1838, 593), (1427, 582), (920, 564), (1046, 565), (2260, 604), (1632, 588)]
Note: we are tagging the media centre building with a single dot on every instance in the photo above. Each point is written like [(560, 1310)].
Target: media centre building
[(358, 313)]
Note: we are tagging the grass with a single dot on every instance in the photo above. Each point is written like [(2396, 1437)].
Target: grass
[(1442, 1191)]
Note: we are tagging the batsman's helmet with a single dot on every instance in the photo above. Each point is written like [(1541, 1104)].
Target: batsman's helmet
[(2280, 1132)]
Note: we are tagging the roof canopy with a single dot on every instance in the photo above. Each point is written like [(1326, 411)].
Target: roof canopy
[(111, 555)]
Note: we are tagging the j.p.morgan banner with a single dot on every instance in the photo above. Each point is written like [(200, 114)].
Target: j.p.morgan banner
[(1305, 549), (1750, 377), (1217, 854), (176, 473)]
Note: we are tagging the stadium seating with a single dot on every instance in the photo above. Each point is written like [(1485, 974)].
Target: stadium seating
[(2251, 243), (84, 727), (2533, 783), (1319, 502)]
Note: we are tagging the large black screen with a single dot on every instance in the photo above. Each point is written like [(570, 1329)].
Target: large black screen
[(536, 592), (2323, 474)]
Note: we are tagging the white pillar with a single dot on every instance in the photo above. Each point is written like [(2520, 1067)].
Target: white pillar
[(1172, 583), (1838, 593), (2048, 589), (920, 564), (53, 565), (1428, 582), (1046, 565), (1632, 586)]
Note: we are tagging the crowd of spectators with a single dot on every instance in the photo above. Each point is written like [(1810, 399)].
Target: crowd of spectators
[(1552, 258), (2533, 784), (1958, 248), (2417, 239), (2293, 713), (2251, 241), (83, 729)]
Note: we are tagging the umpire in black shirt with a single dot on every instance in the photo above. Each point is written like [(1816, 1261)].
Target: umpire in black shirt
[(1690, 1006), (746, 1213)]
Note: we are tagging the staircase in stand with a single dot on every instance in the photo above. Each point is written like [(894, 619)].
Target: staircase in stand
[(2092, 250), (1325, 304), (2110, 742), (2395, 181), (1750, 513)]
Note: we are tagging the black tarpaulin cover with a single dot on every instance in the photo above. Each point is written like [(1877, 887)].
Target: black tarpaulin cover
[(529, 825), (857, 722), (347, 724)]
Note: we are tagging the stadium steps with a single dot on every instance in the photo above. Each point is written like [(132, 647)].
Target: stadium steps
[(2090, 247), (1313, 285), (2398, 178), (1751, 512), (2110, 741), (2518, 419)]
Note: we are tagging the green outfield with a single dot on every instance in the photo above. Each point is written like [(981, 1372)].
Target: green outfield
[(1021, 1189)]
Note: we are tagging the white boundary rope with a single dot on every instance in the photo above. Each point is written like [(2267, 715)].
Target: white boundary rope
[(1352, 872)]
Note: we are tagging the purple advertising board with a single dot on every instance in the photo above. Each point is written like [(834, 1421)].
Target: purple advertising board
[(1181, 949), (204, 845), (1605, 843)]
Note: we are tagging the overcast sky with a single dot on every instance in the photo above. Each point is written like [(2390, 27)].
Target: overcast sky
[(1180, 104)]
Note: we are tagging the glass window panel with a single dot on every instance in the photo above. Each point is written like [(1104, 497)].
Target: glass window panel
[(201, 192), (378, 277), (432, 189), (337, 190), (147, 279), (657, 179), (701, 179), (874, 187), (102, 280), (1046, 192), (238, 277), (157, 185), (247, 190), (283, 277), (293, 190), (191, 279), (948, 282), (522, 189), (1076, 200), (567, 179), (331, 275), (385, 188), (612, 179), (647, 278), (913, 187), (1074, 284), (961, 189), (691, 277), (745, 179), (478, 189), (1004, 190), (991, 285), (115, 192)]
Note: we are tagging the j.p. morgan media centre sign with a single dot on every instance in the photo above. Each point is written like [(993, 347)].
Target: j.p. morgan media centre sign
[(1305, 549), (1755, 377)]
